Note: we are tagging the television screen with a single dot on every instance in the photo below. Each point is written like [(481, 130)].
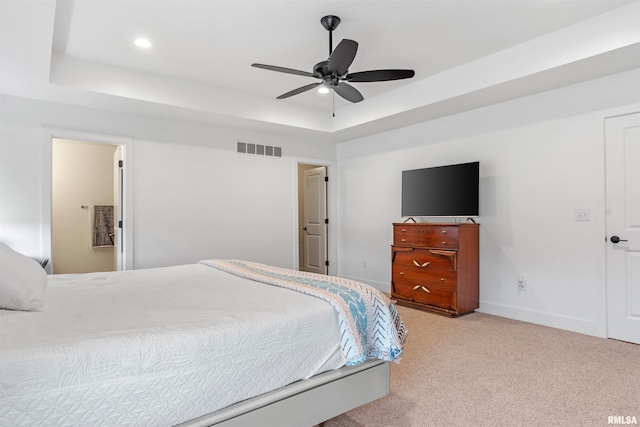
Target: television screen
[(441, 191)]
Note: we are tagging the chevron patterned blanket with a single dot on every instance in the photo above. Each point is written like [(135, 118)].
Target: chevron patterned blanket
[(370, 326)]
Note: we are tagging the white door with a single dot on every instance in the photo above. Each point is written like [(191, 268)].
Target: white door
[(315, 220), (623, 227), (118, 193)]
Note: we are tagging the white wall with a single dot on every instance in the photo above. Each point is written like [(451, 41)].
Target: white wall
[(540, 157), (195, 202), (194, 197)]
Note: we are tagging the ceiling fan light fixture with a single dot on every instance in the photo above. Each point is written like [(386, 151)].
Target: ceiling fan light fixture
[(323, 89), (142, 42)]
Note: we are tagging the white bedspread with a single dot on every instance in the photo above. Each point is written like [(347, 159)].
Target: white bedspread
[(157, 347)]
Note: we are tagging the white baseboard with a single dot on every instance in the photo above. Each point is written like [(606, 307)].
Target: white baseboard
[(582, 326)]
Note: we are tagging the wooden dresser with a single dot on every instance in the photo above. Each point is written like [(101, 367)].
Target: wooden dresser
[(435, 267)]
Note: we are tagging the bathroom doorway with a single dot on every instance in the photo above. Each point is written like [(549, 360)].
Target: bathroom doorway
[(86, 195)]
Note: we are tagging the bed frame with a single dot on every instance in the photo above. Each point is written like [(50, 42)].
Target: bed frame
[(308, 402)]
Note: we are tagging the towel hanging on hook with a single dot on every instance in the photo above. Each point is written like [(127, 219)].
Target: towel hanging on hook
[(103, 230)]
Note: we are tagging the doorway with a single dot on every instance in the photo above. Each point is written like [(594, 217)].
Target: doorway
[(622, 153), (313, 218), (125, 211), (84, 211)]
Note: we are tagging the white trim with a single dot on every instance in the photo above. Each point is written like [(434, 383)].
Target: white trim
[(46, 138), (332, 201), (599, 218), (574, 324)]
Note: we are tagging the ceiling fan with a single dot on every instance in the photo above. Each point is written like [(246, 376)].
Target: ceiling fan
[(334, 72)]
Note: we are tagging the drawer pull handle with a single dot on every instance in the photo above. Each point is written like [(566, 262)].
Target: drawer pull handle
[(402, 273), (423, 265), (444, 231), (415, 288), (442, 279), (444, 243), (404, 240), (404, 230)]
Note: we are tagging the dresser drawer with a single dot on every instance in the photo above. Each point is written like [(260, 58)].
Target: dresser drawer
[(442, 279), (442, 236), (431, 295), (423, 259)]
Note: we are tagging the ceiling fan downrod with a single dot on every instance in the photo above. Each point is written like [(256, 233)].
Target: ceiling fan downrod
[(330, 23)]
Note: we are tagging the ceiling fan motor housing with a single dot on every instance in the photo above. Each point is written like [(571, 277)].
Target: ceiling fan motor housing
[(321, 69)]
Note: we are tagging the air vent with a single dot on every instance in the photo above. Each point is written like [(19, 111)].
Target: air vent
[(260, 150)]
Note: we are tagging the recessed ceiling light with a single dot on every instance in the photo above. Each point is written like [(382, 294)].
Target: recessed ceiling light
[(144, 43)]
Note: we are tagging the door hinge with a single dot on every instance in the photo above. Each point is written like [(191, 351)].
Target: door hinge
[(119, 224), (326, 220), (326, 263), (120, 163), (326, 179)]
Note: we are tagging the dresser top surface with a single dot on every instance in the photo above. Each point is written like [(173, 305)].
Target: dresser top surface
[(437, 224)]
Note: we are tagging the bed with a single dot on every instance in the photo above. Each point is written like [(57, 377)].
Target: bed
[(220, 342)]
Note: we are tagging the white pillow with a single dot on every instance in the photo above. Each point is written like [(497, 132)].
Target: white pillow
[(22, 281)]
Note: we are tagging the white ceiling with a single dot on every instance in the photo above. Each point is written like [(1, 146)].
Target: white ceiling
[(466, 53)]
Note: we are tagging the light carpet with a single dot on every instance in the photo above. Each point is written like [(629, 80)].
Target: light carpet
[(483, 370)]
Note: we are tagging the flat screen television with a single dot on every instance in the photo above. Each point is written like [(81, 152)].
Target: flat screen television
[(449, 191)]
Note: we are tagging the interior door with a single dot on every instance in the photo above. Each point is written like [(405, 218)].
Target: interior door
[(118, 200), (315, 220), (623, 227)]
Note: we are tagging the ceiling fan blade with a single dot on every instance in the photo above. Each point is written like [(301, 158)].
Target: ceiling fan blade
[(342, 56), (348, 92), (283, 70), (379, 75), (299, 90)]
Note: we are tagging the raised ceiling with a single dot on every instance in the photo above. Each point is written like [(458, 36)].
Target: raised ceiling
[(466, 54)]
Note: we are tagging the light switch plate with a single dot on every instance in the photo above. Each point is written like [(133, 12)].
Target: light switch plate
[(583, 214)]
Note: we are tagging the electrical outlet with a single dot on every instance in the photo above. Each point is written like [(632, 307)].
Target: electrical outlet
[(521, 284)]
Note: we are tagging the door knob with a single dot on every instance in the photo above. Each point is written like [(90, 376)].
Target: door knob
[(616, 239)]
